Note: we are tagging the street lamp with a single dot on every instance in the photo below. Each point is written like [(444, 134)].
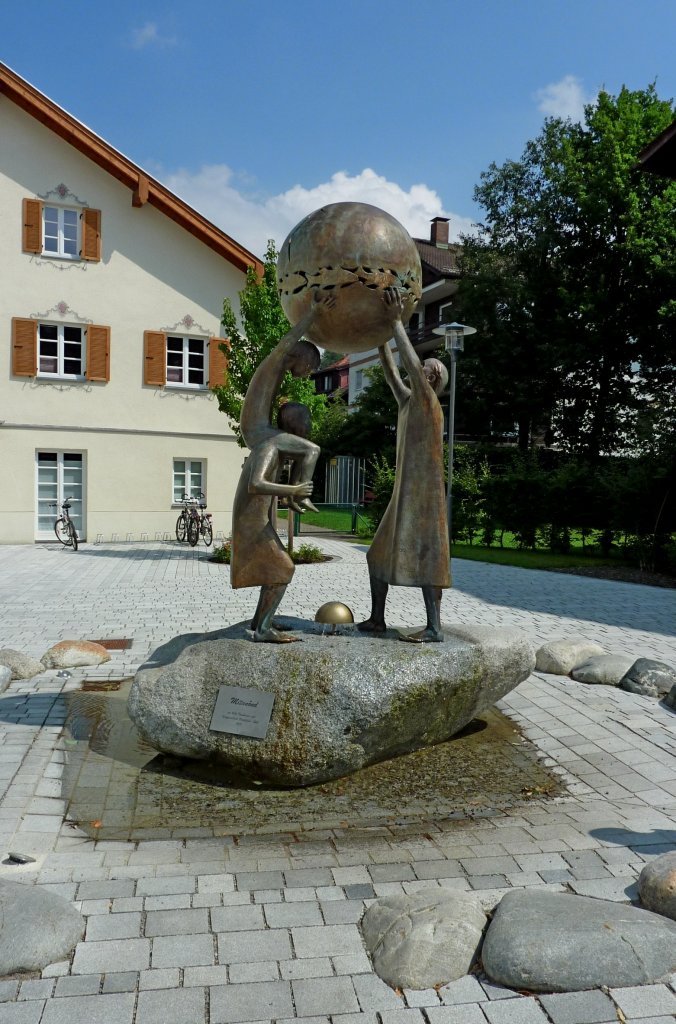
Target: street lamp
[(454, 342)]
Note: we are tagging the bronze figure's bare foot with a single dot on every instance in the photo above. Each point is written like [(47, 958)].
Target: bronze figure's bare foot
[(423, 636), (369, 626), (271, 636)]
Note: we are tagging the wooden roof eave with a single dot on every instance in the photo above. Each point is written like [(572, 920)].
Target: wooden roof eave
[(143, 187)]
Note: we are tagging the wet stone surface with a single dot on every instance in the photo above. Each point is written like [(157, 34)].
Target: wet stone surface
[(117, 787)]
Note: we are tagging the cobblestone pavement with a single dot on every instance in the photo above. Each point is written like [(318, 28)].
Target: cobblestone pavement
[(263, 927)]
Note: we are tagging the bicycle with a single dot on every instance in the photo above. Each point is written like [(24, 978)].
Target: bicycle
[(63, 526), (183, 521), (200, 523)]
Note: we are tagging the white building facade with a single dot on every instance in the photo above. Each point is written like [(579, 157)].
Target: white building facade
[(110, 312)]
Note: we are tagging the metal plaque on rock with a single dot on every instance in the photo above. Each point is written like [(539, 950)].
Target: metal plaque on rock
[(242, 711)]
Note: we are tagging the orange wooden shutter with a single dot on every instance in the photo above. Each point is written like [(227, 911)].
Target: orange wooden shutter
[(24, 347), (155, 358), (91, 235), (98, 353), (218, 362), (31, 235)]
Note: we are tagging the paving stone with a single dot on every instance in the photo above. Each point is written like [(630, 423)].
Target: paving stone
[(352, 963), (113, 926), (324, 996), (592, 1007), (470, 1014), (246, 947), (374, 994), (286, 915), (516, 1011), (408, 1015), (125, 954), (235, 919), (180, 1006), (331, 940), (23, 1013), (464, 990), (259, 1001), (122, 981), (176, 922), (8, 990), (645, 1000), (259, 880), (265, 970), (359, 892), (320, 967), (421, 997), (109, 1009), (35, 988), (183, 950), (347, 912), (166, 977)]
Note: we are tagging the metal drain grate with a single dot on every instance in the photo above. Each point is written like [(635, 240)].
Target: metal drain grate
[(114, 645), (102, 685)]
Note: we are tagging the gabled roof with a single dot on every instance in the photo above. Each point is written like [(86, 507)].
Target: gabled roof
[(441, 260), (660, 156), (144, 188)]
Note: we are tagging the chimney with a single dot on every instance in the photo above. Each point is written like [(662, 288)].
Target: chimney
[(439, 232)]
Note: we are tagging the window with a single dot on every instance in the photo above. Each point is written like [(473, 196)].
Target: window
[(446, 314), (186, 362), (60, 352), (328, 381), (188, 478), (60, 232), (358, 380), (179, 361)]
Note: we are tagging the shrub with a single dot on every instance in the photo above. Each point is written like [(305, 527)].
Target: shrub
[(304, 555)]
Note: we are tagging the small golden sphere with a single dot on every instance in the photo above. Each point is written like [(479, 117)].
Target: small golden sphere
[(335, 613)]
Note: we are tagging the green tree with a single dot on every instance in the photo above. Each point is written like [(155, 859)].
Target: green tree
[(263, 324), (370, 428), (572, 279)]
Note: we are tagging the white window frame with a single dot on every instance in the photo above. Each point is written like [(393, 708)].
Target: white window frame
[(185, 363), (62, 491), (446, 313), (61, 240), (194, 481), (60, 373), (358, 380)]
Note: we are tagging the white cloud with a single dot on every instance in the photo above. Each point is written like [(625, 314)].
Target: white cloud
[(565, 98), (149, 35), (252, 220)]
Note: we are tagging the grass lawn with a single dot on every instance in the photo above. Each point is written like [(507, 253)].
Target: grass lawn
[(340, 519)]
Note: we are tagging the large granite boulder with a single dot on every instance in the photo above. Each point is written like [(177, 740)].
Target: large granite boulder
[(670, 698), (553, 942), (649, 678), (341, 701), (560, 657), (428, 938), (657, 885), (21, 665), (36, 927)]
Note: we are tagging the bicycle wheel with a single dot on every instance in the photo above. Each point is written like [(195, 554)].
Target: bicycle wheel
[(181, 529), (207, 532), (73, 536), (61, 530), (193, 532)]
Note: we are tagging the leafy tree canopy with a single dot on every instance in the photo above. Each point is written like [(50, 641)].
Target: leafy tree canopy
[(571, 280), (263, 324)]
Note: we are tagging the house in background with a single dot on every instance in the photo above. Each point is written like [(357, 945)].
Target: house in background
[(333, 380), (110, 310), (440, 275)]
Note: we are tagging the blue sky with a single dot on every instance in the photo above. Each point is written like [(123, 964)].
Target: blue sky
[(258, 113)]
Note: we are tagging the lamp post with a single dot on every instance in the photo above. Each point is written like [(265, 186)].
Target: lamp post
[(454, 342)]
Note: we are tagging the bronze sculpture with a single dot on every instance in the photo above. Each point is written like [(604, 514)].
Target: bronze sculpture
[(258, 556), (410, 548)]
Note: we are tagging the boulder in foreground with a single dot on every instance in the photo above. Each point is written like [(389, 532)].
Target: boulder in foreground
[(36, 927), (553, 942), (428, 938), (341, 702)]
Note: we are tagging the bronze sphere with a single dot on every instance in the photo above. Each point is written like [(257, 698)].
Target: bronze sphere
[(334, 613), (354, 251)]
